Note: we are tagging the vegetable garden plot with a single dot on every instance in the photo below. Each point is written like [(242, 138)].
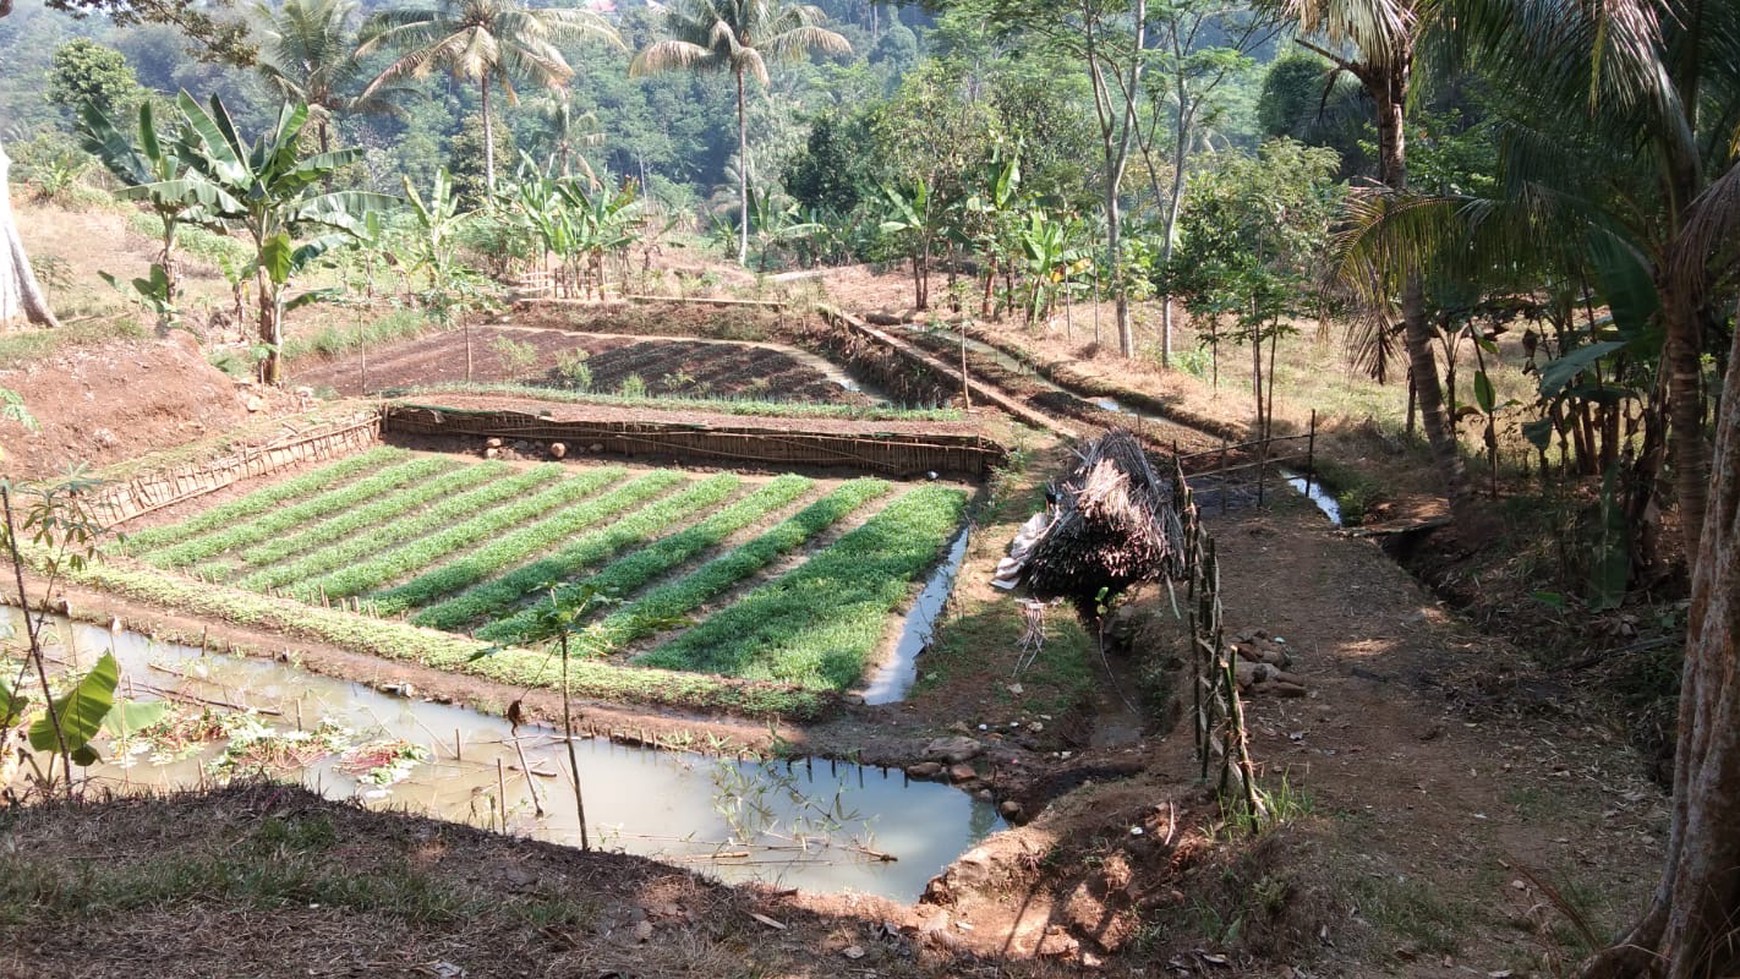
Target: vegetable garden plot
[(492, 550)]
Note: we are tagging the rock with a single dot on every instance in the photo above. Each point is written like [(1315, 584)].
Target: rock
[(924, 770), (960, 727), (558, 450), (491, 453), (643, 931), (595, 447), (255, 402), (493, 443), (1010, 809), (853, 952), (984, 795), (522, 446), (953, 750), (962, 772)]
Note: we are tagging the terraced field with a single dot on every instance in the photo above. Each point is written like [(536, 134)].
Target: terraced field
[(788, 579)]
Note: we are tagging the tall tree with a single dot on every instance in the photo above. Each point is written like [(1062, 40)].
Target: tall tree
[(308, 51), (1110, 39), (488, 42), (740, 37), (1376, 41)]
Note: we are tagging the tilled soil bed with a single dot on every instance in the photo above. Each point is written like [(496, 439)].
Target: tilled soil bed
[(675, 367)]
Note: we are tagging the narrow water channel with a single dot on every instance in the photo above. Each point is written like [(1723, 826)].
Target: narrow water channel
[(812, 824), (893, 680)]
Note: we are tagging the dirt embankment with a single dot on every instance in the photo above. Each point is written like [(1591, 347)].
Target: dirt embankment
[(103, 404)]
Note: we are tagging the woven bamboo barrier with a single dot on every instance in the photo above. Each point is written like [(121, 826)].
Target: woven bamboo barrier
[(114, 503), (897, 454)]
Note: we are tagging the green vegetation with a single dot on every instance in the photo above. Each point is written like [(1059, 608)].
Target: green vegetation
[(389, 509), (402, 641), (285, 518), (388, 536), (723, 406), (500, 594), (265, 500), (651, 611), (632, 572), (400, 562), (818, 624)]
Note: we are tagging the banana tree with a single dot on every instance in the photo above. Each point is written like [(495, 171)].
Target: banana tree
[(151, 172), (990, 214), (604, 224), (269, 189), (915, 219)]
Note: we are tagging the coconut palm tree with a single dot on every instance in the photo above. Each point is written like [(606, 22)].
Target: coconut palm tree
[(1376, 42), (741, 37), (489, 42), (308, 52)]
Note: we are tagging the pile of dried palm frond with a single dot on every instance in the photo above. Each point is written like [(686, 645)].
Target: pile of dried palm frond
[(1116, 525)]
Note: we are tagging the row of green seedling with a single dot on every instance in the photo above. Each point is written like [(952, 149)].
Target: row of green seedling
[(263, 500), (568, 498), (380, 513), (501, 595), (629, 573), (391, 534), (818, 624), (667, 603), (288, 518), (399, 640)]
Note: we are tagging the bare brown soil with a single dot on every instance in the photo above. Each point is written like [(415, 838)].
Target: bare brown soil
[(682, 368), (102, 404)]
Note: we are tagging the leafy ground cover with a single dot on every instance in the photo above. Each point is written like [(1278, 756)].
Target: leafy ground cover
[(387, 552), (818, 624)]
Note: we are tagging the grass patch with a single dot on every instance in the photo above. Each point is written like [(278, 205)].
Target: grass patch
[(339, 339), (397, 640), (448, 512), (1410, 908), (655, 609), (503, 592), (722, 406), (263, 501), (818, 624), (425, 551), (631, 572), (284, 519)]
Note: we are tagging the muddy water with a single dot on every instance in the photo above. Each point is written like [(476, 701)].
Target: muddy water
[(814, 825), (1313, 490), (895, 677)]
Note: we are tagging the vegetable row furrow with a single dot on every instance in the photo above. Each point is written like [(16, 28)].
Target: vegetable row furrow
[(390, 535), (503, 592), (651, 611), (425, 551), (263, 500), (819, 623), (634, 570), (375, 514), (281, 520)]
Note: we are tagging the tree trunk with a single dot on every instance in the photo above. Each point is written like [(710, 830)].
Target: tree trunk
[(271, 329), (488, 141), (1169, 231), (742, 172), (1688, 932), (1686, 408), (20, 293), (1389, 91)]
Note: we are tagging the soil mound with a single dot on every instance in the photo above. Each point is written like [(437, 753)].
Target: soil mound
[(103, 404)]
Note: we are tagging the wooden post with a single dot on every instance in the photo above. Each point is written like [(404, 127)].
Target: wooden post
[(1223, 485), (1311, 453)]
